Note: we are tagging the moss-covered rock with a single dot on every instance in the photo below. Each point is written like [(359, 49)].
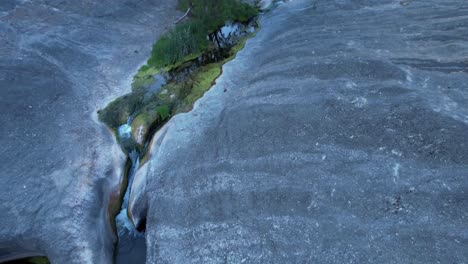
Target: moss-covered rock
[(144, 77), (118, 111), (203, 80), (145, 121)]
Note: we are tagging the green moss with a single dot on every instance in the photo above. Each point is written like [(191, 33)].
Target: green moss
[(140, 120), (184, 60), (163, 112), (39, 260), (148, 118), (203, 81), (32, 260), (118, 111), (144, 77), (144, 120)]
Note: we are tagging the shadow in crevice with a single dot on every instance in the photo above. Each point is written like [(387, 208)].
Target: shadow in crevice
[(30, 260)]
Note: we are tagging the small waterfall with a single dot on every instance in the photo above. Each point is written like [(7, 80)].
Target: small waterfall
[(124, 225), (131, 247)]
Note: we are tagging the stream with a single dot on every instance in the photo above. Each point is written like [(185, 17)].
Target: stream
[(131, 247)]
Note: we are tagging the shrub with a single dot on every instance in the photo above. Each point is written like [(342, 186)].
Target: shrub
[(183, 40)]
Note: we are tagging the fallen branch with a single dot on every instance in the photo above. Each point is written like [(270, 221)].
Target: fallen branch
[(186, 13)]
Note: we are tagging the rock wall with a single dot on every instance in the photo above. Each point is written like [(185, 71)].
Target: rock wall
[(61, 61), (338, 135)]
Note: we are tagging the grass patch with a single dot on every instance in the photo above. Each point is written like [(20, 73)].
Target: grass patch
[(202, 81), (144, 77), (145, 74), (175, 46)]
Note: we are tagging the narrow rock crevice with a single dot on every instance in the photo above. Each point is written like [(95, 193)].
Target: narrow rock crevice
[(148, 108)]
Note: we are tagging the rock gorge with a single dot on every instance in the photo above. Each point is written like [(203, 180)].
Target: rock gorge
[(337, 135)]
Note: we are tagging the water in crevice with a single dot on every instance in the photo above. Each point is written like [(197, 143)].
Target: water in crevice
[(131, 247)]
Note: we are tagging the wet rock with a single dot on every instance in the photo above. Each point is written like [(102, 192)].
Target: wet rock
[(339, 145), (138, 202), (62, 61), (140, 129), (265, 4)]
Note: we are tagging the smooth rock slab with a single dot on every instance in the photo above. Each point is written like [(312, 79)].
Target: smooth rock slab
[(61, 61), (341, 138)]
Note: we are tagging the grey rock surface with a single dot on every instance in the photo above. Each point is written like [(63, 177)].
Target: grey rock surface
[(61, 61), (342, 137)]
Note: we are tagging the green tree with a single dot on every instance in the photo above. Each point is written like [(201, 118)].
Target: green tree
[(207, 16), (183, 40)]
